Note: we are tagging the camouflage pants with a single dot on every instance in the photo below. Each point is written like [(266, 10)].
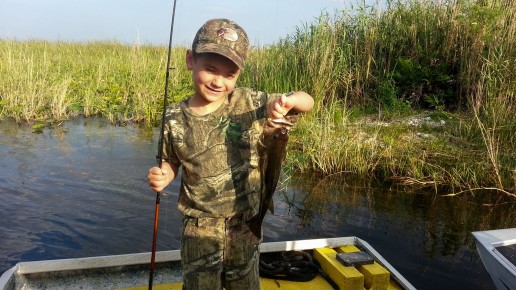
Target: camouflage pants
[(219, 253)]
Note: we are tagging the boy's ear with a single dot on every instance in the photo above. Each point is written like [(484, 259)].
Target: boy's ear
[(189, 59)]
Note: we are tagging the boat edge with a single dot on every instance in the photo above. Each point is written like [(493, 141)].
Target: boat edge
[(381, 260), (174, 255), (485, 242), (7, 278)]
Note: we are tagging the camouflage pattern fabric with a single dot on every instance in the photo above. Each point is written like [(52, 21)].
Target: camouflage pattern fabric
[(218, 154), (224, 37), (220, 187), (219, 253)]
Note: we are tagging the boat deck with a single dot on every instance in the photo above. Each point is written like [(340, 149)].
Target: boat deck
[(509, 252), (497, 249), (131, 272), (319, 283), (102, 278), (367, 276)]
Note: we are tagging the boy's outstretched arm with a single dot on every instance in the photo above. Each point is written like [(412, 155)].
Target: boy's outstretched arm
[(299, 101), (159, 178)]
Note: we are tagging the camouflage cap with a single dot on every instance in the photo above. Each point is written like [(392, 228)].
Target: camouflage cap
[(224, 37)]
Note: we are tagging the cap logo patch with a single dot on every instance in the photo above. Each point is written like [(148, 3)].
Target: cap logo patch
[(227, 34)]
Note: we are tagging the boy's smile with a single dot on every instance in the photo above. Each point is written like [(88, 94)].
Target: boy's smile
[(214, 77)]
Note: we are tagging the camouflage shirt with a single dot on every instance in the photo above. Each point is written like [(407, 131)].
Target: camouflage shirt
[(217, 152)]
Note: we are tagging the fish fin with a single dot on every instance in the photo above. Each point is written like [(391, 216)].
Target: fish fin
[(271, 206), (255, 226)]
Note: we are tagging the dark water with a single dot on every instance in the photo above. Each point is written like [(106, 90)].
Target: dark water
[(80, 190)]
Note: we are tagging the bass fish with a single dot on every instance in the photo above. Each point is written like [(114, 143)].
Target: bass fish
[(272, 149)]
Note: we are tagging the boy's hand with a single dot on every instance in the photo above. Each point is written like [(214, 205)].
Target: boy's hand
[(279, 108), (157, 178), (299, 101)]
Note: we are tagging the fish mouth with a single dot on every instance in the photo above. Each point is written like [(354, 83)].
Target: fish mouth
[(280, 123)]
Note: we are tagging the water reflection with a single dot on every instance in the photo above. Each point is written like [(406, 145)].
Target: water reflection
[(426, 236), (80, 190)]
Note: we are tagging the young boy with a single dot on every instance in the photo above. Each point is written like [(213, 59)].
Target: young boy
[(213, 135)]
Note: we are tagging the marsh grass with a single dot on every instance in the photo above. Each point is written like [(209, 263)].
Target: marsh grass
[(455, 56), (369, 69), (123, 83)]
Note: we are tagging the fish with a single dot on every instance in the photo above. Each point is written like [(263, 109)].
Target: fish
[(272, 150)]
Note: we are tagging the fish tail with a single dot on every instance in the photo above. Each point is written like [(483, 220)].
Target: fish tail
[(255, 225), (271, 206)]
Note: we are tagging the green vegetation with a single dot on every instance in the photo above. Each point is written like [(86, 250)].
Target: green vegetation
[(42, 80), (420, 92), (371, 69)]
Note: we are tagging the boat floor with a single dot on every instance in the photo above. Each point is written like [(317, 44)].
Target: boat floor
[(318, 283), (130, 272), (110, 278), (98, 281), (166, 276), (509, 252)]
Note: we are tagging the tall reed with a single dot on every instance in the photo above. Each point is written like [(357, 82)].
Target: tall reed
[(367, 67), (40, 80), (441, 55)]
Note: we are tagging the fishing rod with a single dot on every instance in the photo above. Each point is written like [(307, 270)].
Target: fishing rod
[(160, 150)]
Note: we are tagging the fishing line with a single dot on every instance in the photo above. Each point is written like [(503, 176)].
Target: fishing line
[(160, 149)]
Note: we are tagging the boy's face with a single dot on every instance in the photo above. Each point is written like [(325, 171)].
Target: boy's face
[(214, 76)]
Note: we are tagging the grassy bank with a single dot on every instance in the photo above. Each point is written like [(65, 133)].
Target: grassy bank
[(419, 92), (453, 59), (42, 80)]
